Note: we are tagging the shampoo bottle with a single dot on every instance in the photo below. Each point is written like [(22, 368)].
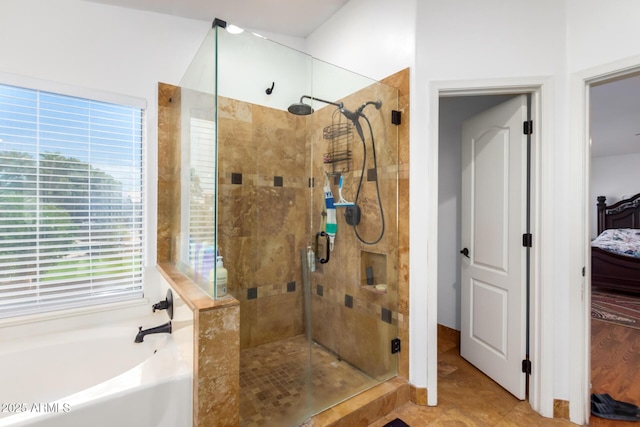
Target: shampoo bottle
[(311, 259), (221, 278)]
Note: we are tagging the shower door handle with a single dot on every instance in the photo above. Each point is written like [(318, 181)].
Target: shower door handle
[(326, 245)]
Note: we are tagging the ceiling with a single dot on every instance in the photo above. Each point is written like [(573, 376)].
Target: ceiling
[(297, 18)]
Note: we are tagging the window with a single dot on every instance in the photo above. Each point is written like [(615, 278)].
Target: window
[(200, 195), (70, 201)]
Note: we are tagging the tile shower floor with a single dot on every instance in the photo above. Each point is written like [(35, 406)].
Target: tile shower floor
[(273, 385)]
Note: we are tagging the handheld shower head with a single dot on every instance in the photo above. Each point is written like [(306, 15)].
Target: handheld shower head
[(355, 116), (377, 103)]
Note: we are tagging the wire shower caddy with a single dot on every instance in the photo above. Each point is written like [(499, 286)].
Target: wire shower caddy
[(340, 137)]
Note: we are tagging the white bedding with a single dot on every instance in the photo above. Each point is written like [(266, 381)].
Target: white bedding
[(622, 241)]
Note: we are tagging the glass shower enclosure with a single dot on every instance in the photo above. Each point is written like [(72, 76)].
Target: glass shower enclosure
[(289, 173)]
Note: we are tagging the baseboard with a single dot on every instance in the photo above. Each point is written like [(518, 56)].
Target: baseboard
[(561, 409), (449, 334), (418, 395)]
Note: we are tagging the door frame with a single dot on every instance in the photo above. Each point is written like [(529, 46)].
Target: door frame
[(580, 208), (541, 295)]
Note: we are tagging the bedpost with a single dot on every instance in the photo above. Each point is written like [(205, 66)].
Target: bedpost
[(601, 213)]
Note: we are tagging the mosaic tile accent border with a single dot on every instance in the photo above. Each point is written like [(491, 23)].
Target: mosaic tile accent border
[(332, 296), (376, 311), (252, 179), (269, 290)]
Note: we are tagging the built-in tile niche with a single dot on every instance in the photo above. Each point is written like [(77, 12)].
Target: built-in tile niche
[(373, 269)]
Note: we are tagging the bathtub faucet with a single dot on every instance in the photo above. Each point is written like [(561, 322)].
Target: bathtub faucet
[(167, 304), (162, 329)]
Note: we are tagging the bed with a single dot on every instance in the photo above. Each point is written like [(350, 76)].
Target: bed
[(615, 253)]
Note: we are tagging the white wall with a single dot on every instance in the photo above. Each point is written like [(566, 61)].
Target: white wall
[(110, 49), (88, 44), (601, 32), (463, 41), (372, 37), (612, 177)]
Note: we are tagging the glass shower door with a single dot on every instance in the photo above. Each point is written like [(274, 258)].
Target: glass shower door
[(317, 284)]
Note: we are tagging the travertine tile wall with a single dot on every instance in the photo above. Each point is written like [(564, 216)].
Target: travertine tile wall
[(169, 102), (263, 211)]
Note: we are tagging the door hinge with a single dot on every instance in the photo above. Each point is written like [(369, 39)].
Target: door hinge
[(526, 366), (395, 345), (584, 271), (527, 127), (527, 240)]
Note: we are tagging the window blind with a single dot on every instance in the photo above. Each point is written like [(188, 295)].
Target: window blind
[(202, 197), (70, 201)]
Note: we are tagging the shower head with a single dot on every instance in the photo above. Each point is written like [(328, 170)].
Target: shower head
[(302, 109)]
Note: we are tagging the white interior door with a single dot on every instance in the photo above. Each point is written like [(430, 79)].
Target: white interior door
[(493, 223)]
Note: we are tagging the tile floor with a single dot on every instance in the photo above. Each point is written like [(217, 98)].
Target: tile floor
[(467, 397), (273, 385), (274, 393)]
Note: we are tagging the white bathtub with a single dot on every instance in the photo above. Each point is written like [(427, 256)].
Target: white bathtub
[(97, 377)]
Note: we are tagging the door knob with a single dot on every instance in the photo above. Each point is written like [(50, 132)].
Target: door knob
[(465, 252)]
